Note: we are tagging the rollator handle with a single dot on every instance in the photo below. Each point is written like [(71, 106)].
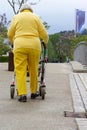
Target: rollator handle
[(42, 42), (46, 59), (45, 52)]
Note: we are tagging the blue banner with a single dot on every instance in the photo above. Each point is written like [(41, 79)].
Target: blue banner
[(80, 21)]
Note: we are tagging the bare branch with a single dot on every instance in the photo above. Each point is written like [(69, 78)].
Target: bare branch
[(34, 3), (16, 4), (12, 4)]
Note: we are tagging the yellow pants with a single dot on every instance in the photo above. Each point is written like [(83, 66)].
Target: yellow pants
[(23, 58)]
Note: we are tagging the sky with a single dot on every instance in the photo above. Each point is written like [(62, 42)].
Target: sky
[(59, 14)]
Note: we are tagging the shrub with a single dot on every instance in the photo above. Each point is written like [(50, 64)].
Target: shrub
[(4, 58)]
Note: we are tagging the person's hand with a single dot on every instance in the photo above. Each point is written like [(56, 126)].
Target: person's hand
[(46, 59), (43, 44)]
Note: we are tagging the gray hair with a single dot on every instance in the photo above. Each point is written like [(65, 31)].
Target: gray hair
[(26, 6)]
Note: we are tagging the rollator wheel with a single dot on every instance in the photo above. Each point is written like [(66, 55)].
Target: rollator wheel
[(40, 90), (17, 91), (12, 91), (43, 92)]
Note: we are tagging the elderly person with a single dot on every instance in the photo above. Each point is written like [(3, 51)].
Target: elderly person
[(25, 32)]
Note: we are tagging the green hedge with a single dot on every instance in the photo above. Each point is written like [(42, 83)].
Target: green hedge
[(4, 58)]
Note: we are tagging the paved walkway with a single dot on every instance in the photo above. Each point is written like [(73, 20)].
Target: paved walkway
[(41, 114), (78, 84)]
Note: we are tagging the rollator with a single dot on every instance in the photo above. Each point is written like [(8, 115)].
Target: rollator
[(41, 75)]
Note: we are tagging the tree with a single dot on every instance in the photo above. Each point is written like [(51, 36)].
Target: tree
[(3, 25), (16, 4), (63, 45), (4, 48), (3, 34), (51, 52), (46, 25)]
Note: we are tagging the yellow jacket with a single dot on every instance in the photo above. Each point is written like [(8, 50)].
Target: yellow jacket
[(25, 31)]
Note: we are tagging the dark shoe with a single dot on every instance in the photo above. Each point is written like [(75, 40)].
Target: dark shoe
[(22, 99), (34, 95)]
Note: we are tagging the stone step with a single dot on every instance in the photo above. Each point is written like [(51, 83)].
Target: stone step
[(77, 101), (81, 89), (78, 84), (77, 67), (81, 123)]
